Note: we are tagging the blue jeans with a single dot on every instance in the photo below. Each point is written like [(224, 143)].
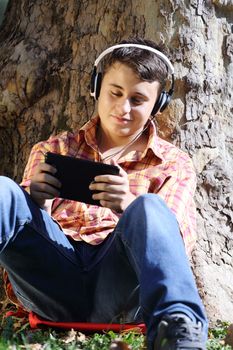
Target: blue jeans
[(139, 272)]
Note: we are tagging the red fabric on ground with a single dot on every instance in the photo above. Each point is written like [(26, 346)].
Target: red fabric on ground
[(36, 322)]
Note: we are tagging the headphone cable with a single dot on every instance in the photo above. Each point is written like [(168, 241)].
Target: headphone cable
[(128, 144)]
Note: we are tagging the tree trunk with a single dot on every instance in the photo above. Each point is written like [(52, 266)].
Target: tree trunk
[(47, 50)]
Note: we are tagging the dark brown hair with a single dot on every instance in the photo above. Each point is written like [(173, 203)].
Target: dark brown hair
[(146, 64)]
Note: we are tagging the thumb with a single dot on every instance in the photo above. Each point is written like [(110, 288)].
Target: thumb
[(114, 162)]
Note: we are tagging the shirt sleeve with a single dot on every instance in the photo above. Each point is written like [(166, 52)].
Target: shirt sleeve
[(178, 192), (37, 156)]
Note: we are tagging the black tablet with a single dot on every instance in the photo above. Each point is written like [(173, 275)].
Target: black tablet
[(76, 174)]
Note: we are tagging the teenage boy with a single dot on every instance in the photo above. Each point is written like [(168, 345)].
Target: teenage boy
[(124, 260)]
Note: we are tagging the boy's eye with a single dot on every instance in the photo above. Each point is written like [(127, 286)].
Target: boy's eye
[(115, 93), (136, 100)]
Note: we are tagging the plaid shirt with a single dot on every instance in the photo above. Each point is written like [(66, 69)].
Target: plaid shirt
[(162, 169)]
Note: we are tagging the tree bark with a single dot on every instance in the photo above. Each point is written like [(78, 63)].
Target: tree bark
[(47, 50)]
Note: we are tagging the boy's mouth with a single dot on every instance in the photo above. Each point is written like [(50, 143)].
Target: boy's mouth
[(121, 119)]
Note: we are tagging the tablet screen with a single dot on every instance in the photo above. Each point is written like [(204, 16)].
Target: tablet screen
[(76, 174)]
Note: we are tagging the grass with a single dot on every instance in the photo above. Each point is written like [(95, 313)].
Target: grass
[(17, 336), (217, 336)]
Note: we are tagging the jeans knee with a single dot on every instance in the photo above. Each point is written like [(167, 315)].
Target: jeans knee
[(6, 186), (10, 191), (6, 181), (154, 210), (153, 202)]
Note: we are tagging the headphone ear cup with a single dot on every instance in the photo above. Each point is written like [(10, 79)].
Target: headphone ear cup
[(98, 81), (166, 102), (157, 105), (161, 103), (92, 83), (95, 84)]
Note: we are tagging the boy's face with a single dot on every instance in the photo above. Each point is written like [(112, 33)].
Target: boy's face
[(125, 102)]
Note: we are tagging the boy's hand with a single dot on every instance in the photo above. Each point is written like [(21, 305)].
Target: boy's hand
[(44, 185), (113, 191)]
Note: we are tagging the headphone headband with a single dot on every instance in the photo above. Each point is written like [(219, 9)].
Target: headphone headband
[(143, 47)]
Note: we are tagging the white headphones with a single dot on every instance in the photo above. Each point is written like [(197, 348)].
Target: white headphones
[(165, 96)]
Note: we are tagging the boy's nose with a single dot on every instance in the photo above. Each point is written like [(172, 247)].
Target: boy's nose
[(123, 107)]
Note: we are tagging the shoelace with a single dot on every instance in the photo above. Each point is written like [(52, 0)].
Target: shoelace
[(188, 334)]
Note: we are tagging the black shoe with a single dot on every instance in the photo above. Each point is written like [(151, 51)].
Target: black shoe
[(178, 332)]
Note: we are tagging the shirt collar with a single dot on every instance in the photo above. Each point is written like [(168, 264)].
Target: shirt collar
[(88, 132), (153, 142)]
